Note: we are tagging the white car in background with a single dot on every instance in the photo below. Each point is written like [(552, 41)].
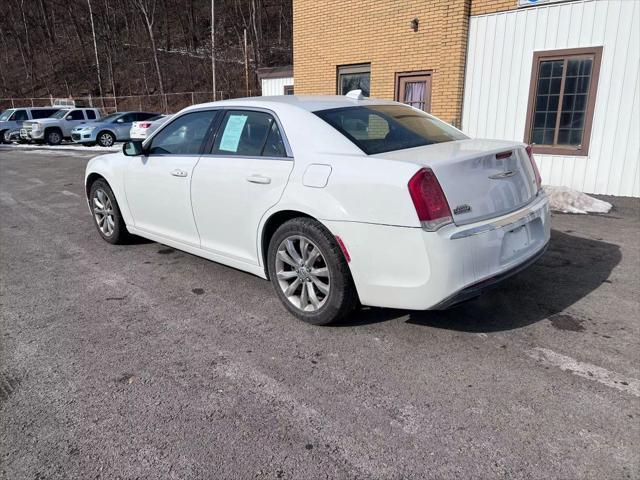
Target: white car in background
[(336, 200), (142, 130)]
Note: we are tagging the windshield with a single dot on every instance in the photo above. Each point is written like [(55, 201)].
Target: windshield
[(59, 114), (111, 118), (5, 115), (384, 128)]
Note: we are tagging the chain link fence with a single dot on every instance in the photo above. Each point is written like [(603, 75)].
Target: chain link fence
[(166, 103)]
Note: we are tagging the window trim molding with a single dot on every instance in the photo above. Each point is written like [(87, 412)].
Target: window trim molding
[(539, 56), (418, 73), (364, 67)]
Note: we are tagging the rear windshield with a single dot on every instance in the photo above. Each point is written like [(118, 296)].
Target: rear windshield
[(384, 128)]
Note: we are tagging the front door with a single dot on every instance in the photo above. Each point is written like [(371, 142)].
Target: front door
[(235, 185), (158, 184)]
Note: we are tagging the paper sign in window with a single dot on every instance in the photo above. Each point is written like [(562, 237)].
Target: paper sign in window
[(232, 132)]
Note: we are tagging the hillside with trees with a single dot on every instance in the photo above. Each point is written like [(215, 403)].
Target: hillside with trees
[(124, 48)]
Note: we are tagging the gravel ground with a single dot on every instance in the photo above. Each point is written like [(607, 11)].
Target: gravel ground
[(140, 361)]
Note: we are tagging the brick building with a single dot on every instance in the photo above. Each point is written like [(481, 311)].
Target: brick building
[(485, 66)]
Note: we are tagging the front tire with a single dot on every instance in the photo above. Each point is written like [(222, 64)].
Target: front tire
[(106, 213), (309, 272), (54, 137), (106, 139)]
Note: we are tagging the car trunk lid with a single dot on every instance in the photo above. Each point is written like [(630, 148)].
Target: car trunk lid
[(481, 179)]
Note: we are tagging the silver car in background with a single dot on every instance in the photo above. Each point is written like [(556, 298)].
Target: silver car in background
[(143, 130), (108, 130)]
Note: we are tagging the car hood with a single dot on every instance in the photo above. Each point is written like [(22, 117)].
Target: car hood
[(43, 121)]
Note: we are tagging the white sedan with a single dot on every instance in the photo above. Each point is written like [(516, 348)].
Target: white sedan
[(338, 201), (143, 129)]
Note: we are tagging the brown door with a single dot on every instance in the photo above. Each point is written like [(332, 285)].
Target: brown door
[(414, 89)]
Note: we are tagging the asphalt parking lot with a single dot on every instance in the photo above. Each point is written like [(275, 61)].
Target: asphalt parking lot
[(140, 361)]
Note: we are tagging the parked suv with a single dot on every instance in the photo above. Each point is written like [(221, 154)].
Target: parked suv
[(58, 127), (13, 118), (108, 130)]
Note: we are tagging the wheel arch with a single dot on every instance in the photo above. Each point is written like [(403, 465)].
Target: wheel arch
[(91, 178), (271, 224)]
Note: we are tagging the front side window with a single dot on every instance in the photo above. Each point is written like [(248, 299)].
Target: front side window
[(76, 115), (249, 134), (20, 116), (384, 128), (354, 77), (562, 100), (183, 136), (60, 114), (43, 113)]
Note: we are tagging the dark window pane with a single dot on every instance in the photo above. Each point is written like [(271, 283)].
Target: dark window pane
[(556, 69), (555, 85), (541, 103), (578, 120), (585, 67), (576, 137), (538, 136), (553, 103), (355, 81), (543, 86), (183, 136), (551, 120), (583, 84), (548, 136), (243, 133), (545, 69), (580, 104), (565, 120), (570, 85), (567, 103), (563, 136), (274, 147), (539, 120), (573, 68)]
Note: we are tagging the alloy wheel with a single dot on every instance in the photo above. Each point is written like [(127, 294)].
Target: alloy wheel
[(302, 273), (103, 212), (106, 140)]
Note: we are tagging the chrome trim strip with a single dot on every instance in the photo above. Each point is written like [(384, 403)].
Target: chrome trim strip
[(515, 220)]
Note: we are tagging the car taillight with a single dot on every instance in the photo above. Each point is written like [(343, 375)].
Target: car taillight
[(534, 166), (428, 198), (144, 125)]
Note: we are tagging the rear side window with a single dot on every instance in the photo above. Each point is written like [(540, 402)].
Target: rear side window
[(76, 115), (91, 115), (384, 128), (249, 134), (183, 136)]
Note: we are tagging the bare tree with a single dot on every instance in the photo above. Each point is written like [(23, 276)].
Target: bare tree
[(148, 10), (213, 49)]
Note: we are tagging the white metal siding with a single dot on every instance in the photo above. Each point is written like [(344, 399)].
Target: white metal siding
[(498, 73), (275, 86)]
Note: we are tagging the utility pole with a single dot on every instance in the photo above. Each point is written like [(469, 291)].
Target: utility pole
[(246, 65), (95, 49), (213, 50)]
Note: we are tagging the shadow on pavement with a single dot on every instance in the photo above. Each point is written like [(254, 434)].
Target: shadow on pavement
[(571, 268)]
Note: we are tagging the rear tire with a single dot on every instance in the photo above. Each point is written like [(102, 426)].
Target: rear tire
[(106, 213), (53, 137), (106, 139), (2, 136), (309, 272)]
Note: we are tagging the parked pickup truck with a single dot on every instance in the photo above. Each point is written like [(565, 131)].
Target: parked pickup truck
[(58, 127), (14, 118)]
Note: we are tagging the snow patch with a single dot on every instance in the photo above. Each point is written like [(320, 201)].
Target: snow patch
[(568, 200)]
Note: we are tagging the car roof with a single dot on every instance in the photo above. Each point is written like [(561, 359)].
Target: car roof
[(310, 103)]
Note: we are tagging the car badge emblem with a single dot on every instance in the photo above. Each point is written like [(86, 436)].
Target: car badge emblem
[(462, 209)]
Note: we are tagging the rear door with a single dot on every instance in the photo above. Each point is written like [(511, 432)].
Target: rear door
[(158, 184), (238, 181), (122, 126)]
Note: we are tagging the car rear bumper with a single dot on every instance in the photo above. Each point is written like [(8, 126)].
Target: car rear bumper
[(406, 267)]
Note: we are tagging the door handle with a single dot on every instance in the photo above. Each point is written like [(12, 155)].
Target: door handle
[(258, 179), (178, 173)]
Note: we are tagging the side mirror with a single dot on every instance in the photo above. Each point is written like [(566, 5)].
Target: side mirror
[(68, 119), (132, 148)]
